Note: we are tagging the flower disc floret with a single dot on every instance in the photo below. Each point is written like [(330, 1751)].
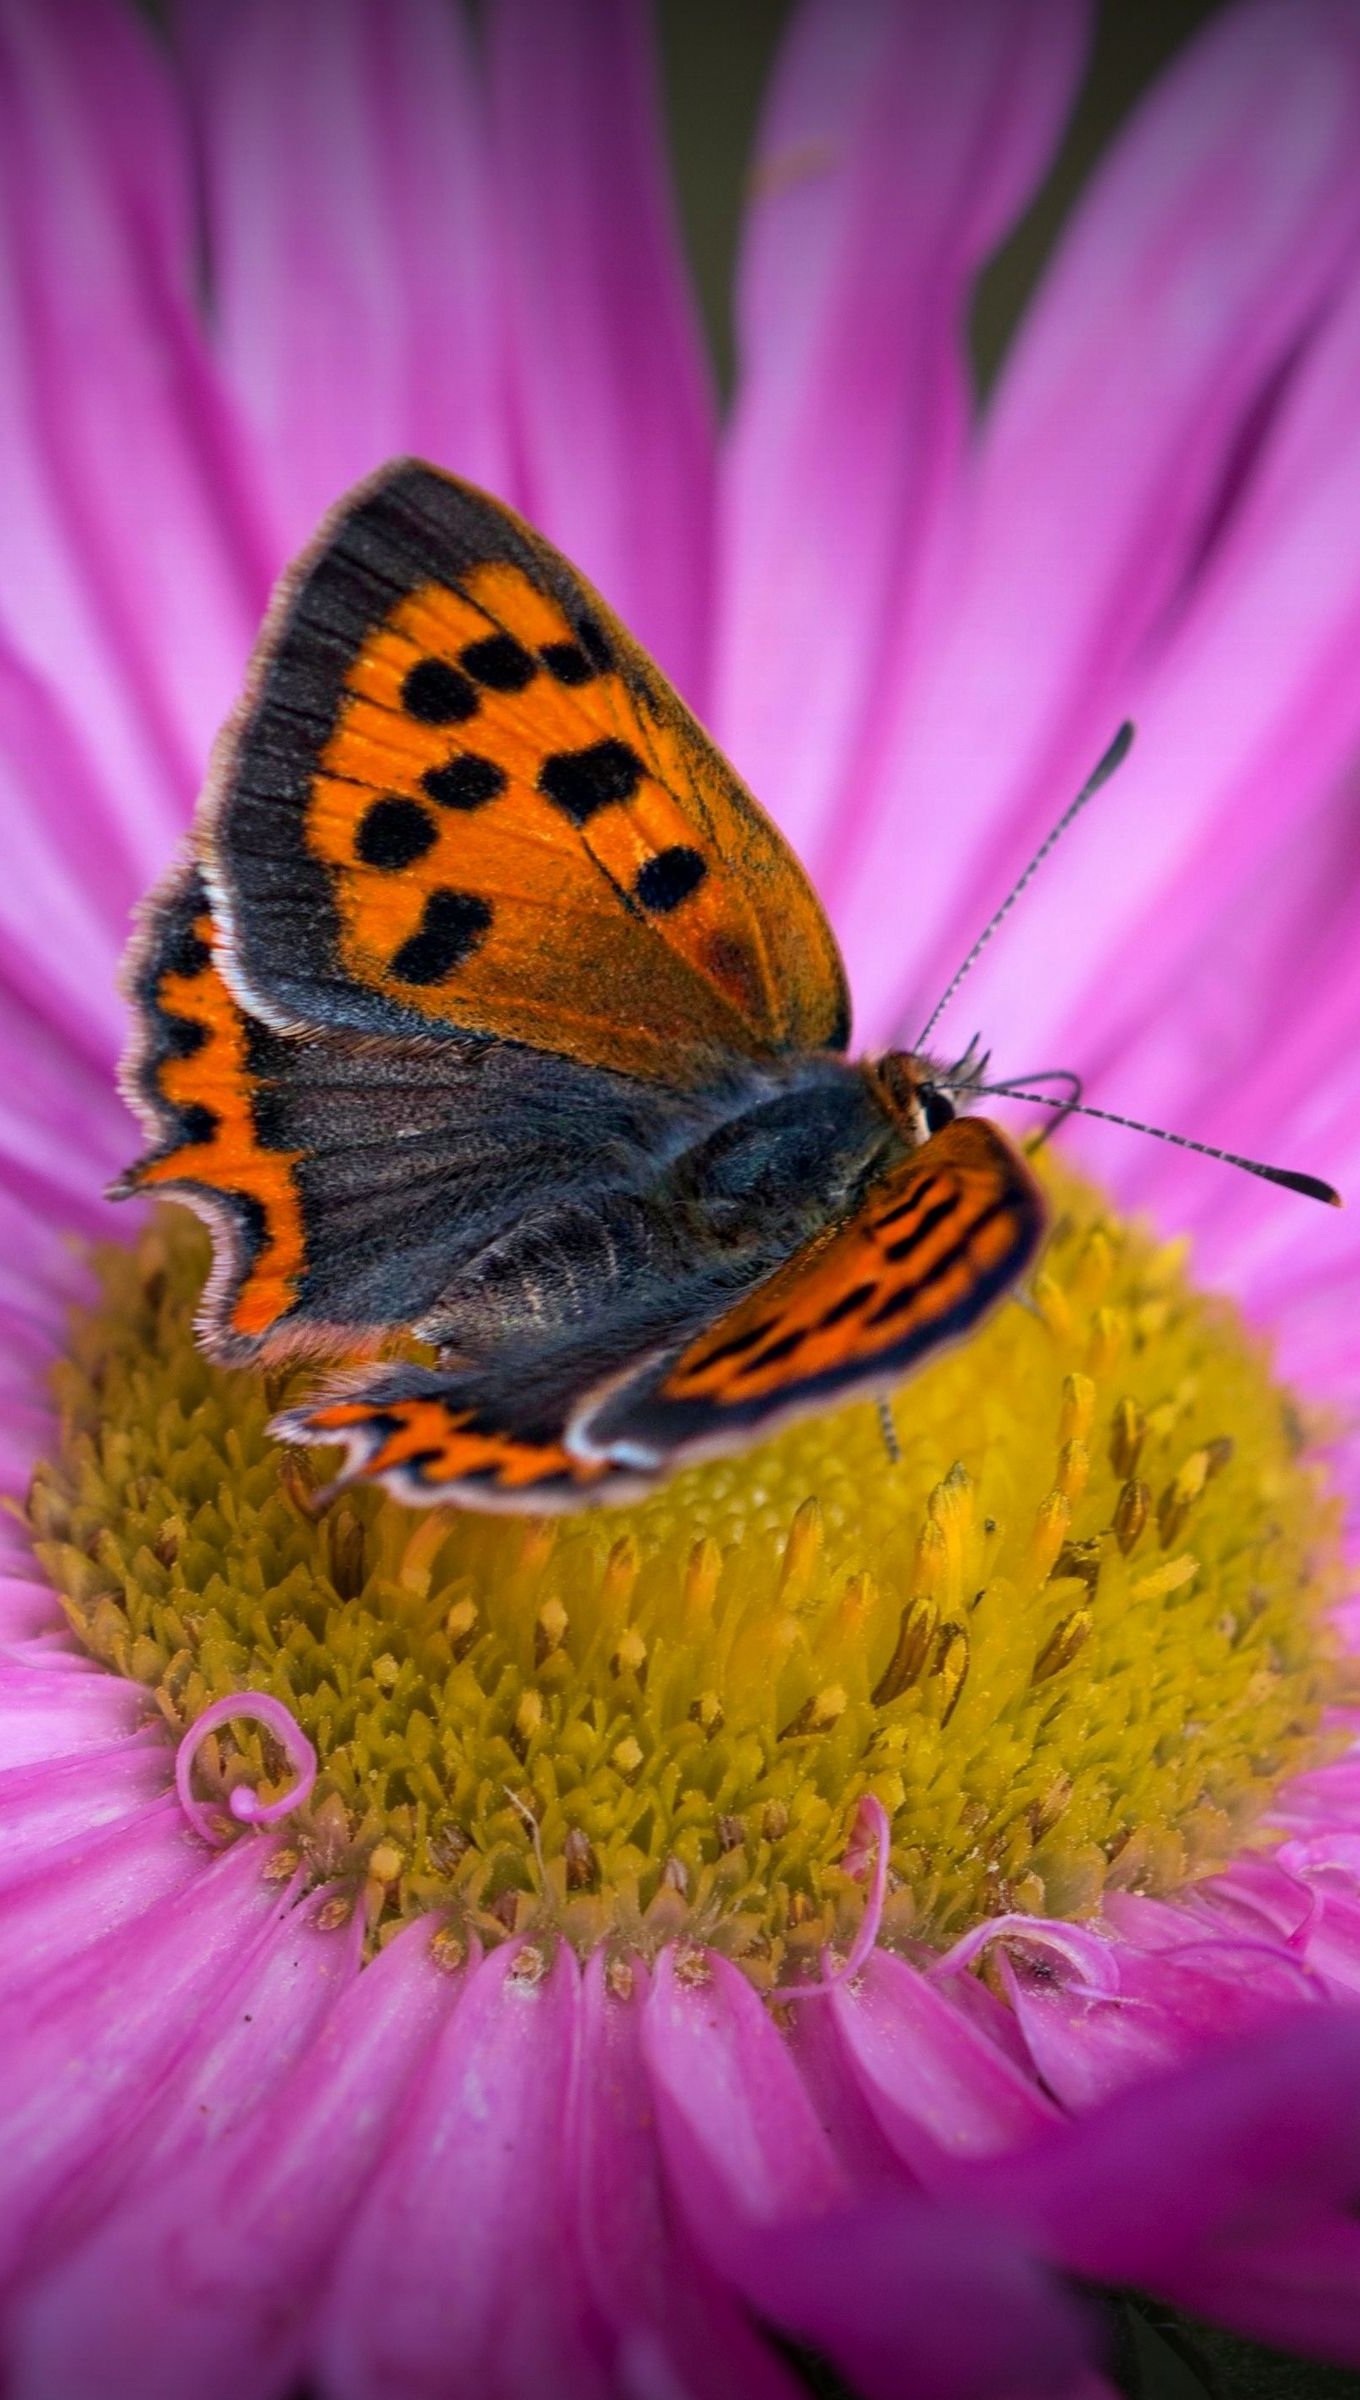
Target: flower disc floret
[(1071, 1638)]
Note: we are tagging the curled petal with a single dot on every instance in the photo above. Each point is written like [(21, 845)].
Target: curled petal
[(1089, 1953), (245, 1804)]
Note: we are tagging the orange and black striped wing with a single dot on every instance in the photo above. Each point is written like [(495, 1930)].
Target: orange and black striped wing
[(431, 1440), (459, 795), (192, 1077), (932, 1247)]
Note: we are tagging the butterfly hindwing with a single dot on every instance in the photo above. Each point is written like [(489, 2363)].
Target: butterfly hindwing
[(460, 795), (931, 1247), (453, 1438), (193, 1078), (351, 1180)]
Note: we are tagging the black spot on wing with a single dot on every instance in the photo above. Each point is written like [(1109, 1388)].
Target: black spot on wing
[(897, 1303), (911, 1206), (499, 662), (437, 694), (592, 641), (419, 1463), (774, 1353), (394, 833), (382, 1424), (669, 878), (567, 663), (581, 782), (180, 1037), (198, 1123), (735, 1344), (185, 952), (450, 930), (466, 782)]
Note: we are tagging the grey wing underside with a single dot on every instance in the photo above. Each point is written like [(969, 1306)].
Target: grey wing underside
[(420, 1159)]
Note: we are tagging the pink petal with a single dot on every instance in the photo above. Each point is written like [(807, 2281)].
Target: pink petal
[(1221, 222), (674, 2323), (937, 2086), (81, 2074), (28, 1610), (1272, 2125), (69, 879), (1320, 1799), (1252, 1056), (355, 300), (842, 2107), (741, 2141), (1087, 2044), (48, 1713), (905, 2296), (131, 575), (60, 1905), (63, 1131), (47, 1806), (1299, 2291), (1239, 789), (264, 2024), (254, 2026), (1255, 1896), (609, 389), (899, 142), (461, 2272), (207, 2282)]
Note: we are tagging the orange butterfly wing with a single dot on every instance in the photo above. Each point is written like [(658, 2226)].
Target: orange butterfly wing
[(429, 1448), (461, 795), (932, 1246), (193, 1080)]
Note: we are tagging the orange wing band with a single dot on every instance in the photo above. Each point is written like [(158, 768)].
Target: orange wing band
[(934, 1245), (423, 1448), (195, 1084)]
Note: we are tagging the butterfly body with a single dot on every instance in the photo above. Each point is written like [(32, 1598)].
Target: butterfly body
[(488, 1008)]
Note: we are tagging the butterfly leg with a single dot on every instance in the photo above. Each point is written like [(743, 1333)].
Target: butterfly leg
[(889, 1431)]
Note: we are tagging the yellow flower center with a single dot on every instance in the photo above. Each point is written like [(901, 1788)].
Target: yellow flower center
[(1072, 1637)]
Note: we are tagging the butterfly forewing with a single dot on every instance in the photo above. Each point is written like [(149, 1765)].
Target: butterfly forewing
[(463, 796)]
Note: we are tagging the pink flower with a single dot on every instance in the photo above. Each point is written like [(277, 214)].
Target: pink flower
[(241, 272)]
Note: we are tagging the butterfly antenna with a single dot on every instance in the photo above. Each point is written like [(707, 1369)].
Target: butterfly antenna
[(1101, 773), (1311, 1186)]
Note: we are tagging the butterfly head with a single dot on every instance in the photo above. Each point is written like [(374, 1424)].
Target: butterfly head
[(923, 1095)]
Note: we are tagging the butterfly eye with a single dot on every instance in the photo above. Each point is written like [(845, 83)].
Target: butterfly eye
[(937, 1110)]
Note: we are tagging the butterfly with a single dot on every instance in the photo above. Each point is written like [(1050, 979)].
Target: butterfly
[(487, 1007)]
